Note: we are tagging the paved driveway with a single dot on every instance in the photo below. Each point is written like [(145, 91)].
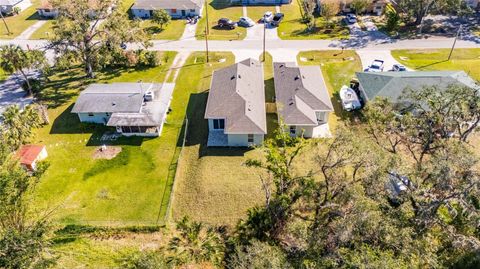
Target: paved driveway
[(12, 93), (256, 33), (367, 57)]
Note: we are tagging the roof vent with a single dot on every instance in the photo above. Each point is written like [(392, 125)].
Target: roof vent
[(232, 78), (114, 104), (281, 65), (297, 78), (239, 76), (291, 104)]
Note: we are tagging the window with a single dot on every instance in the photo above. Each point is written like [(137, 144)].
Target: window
[(174, 11), (90, 114), (293, 130), (192, 10), (107, 114), (218, 124), (250, 138), (320, 116)]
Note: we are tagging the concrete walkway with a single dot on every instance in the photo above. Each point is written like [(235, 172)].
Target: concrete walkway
[(190, 32), (30, 30), (177, 64), (245, 11)]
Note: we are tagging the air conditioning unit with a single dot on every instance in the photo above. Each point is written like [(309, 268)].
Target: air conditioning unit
[(148, 96)]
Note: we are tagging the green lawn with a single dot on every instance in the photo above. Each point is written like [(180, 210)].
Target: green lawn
[(213, 184), (268, 76), (462, 59), (19, 23), (292, 26), (256, 12), (3, 76), (220, 9), (172, 31), (338, 69), (44, 31), (129, 189)]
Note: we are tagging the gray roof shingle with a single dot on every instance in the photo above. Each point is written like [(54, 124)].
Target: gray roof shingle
[(393, 84), (111, 98), (237, 94), (300, 91), (168, 4)]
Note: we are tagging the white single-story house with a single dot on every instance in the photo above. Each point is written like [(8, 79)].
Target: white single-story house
[(30, 155), (391, 85), (303, 102), (261, 2), (9, 6), (138, 109), (176, 8), (236, 106), (376, 7), (47, 10)]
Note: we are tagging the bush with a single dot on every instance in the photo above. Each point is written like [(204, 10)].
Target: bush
[(148, 58)]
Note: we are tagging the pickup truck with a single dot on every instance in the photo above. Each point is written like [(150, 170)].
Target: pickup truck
[(376, 66)]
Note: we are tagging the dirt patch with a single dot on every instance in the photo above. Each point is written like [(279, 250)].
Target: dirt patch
[(106, 152)]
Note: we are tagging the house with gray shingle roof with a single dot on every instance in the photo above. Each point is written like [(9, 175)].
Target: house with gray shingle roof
[(176, 8), (236, 105), (8, 6), (303, 102), (393, 84), (132, 108)]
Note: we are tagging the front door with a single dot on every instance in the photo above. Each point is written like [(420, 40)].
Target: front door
[(183, 13)]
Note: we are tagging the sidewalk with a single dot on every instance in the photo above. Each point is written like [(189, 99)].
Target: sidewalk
[(30, 30)]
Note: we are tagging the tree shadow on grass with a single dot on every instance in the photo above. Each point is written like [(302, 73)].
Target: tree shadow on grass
[(197, 132), (152, 30)]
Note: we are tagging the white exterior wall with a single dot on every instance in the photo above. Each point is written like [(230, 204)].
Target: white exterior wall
[(101, 118), (145, 14), (51, 13), (21, 4), (241, 140)]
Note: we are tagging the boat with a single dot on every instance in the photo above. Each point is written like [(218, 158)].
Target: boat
[(350, 100)]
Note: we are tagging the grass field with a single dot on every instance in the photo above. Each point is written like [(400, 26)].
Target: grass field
[(3, 76), (213, 184), (467, 60), (220, 9), (338, 69), (256, 12), (292, 26), (268, 76), (19, 23), (172, 31), (43, 32), (130, 189)]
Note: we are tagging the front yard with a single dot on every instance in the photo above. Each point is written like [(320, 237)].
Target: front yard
[(220, 9), (292, 26), (130, 189), (19, 23), (467, 60), (338, 68)]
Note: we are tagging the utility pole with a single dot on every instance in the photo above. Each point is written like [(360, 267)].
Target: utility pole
[(4, 22), (454, 42), (264, 33), (206, 42), (206, 17)]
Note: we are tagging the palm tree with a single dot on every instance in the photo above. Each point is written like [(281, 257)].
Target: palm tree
[(195, 244), (14, 59), (18, 125)]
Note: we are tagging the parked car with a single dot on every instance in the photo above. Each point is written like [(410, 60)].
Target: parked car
[(376, 66), (226, 23), (246, 22), (351, 18), (398, 68), (267, 17), (277, 19)]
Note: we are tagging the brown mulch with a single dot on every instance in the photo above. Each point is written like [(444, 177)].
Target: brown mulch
[(109, 153)]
